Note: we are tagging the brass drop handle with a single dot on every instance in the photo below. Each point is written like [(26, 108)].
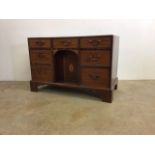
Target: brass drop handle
[(94, 57), (94, 77), (41, 56), (95, 42), (40, 43), (66, 43)]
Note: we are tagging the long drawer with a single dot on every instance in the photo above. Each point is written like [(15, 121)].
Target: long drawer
[(39, 43), (95, 77), (96, 42), (65, 43)]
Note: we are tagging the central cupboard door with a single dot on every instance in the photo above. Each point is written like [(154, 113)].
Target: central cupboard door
[(66, 66)]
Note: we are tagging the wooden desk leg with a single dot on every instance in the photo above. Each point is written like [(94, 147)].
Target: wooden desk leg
[(106, 95), (33, 86), (116, 86)]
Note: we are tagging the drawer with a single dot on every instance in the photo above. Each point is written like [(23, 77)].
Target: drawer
[(39, 43), (95, 77), (65, 43), (42, 73), (41, 57), (95, 57), (96, 42)]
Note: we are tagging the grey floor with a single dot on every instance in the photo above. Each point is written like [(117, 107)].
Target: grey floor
[(60, 111)]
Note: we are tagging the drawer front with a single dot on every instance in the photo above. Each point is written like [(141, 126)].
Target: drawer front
[(65, 43), (96, 42), (39, 43), (41, 57), (97, 57), (42, 73), (95, 77)]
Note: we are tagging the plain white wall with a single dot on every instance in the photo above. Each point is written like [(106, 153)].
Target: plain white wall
[(136, 49)]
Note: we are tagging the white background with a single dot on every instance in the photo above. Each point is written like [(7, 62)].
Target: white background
[(136, 48), (74, 9)]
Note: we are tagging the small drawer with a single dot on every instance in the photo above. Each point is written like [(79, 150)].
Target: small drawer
[(96, 42), (95, 77), (39, 43), (95, 57), (41, 57), (42, 73), (65, 43)]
